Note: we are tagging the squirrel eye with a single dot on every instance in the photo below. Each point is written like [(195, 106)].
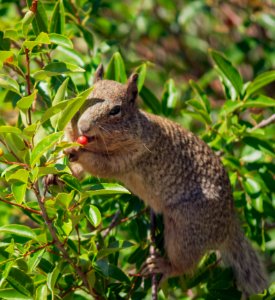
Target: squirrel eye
[(115, 110)]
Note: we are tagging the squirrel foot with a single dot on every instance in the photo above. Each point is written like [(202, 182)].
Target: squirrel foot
[(156, 264)]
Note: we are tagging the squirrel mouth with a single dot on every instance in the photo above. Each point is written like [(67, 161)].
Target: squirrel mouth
[(91, 138)]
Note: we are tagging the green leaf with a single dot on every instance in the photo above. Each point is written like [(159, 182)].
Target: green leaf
[(64, 199), (52, 279), (30, 130), (11, 34), (21, 175), (228, 70), (57, 68), (93, 214), (72, 108), (201, 95), (116, 69), (60, 40), (19, 230), (12, 294), (111, 271), (10, 129), (169, 97), (252, 186), (261, 101), (19, 190), (57, 23), (41, 292), (50, 112), (42, 171), (26, 102), (35, 259), (88, 36), (259, 144), (71, 181), (141, 71), (3, 56), (150, 100), (106, 189), (43, 146), (40, 21), (8, 83), (42, 38), (200, 108), (60, 95), (118, 274), (29, 16), (259, 82)]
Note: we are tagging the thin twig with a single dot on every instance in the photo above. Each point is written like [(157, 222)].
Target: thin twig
[(126, 219), (37, 212), (153, 253), (112, 224), (78, 238), (265, 123), (9, 149), (58, 243), (14, 163), (37, 249), (28, 80)]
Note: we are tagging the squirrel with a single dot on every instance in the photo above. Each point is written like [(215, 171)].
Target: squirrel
[(171, 170)]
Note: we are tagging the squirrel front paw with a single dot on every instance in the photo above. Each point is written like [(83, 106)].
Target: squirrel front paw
[(72, 154)]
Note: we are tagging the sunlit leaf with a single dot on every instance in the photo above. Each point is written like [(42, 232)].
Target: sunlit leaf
[(228, 70), (60, 40), (72, 108), (57, 68), (43, 146), (93, 214), (259, 82), (8, 83), (57, 23), (19, 230), (26, 102), (116, 69), (150, 100)]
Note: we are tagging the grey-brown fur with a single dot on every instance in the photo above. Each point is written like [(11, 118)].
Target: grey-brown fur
[(174, 172)]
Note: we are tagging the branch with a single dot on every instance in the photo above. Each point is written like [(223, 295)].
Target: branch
[(118, 222), (153, 253), (37, 249), (112, 224), (58, 243), (37, 212), (265, 123), (14, 163), (28, 79), (9, 149)]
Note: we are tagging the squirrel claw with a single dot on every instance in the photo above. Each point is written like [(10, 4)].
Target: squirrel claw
[(155, 265)]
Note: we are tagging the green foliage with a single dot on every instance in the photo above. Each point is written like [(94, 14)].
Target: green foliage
[(84, 240)]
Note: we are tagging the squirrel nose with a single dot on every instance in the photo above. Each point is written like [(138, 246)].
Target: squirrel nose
[(84, 128)]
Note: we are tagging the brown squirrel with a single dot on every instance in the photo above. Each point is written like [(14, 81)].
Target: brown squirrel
[(171, 170)]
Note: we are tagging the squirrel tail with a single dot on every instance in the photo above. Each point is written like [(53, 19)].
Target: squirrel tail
[(247, 267)]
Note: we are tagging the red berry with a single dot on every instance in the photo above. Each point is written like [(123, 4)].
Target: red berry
[(1, 152), (83, 140)]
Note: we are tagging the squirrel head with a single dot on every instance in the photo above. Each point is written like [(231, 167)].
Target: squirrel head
[(108, 112)]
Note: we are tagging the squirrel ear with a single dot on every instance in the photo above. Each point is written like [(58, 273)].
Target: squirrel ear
[(132, 89), (99, 73)]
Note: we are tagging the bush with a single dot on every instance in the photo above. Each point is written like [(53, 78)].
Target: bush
[(85, 239)]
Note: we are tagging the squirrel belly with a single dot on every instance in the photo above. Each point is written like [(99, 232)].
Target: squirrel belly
[(171, 170)]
